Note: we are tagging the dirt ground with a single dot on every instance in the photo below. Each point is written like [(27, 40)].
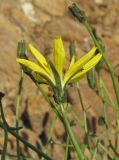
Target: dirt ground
[(38, 22)]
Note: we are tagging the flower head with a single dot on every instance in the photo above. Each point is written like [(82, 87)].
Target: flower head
[(52, 73)]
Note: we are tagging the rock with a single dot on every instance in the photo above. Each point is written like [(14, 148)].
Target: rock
[(51, 7), (38, 22), (29, 11)]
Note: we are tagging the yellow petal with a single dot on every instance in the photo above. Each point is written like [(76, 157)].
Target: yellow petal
[(86, 68), (78, 64), (40, 58), (72, 62), (78, 77), (59, 55), (92, 62), (33, 67)]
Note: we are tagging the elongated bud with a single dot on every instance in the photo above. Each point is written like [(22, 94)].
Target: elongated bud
[(79, 14), (101, 121), (99, 66), (21, 49), (91, 78), (72, 50)]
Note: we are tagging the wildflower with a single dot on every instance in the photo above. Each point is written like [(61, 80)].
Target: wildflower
[(52, 74)]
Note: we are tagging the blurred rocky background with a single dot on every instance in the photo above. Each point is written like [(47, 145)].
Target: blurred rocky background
[(38, 21)]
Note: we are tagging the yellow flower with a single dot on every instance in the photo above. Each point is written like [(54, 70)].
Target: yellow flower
[(52, 73)]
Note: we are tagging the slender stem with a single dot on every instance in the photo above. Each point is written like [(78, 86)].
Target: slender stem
[(48, 100), (5, 143), (84, 115), (116, 131), (76, 117), (52, 126), (5, 125), (95, 151), (26, 143), (104, 107), (67, 148), (112, 74), (113, 149), (107, 93), (101, 84), (106, 122), (80, 15), (63, 144), (83, 108), (17, 111), (99, 137), (106, 151), (70, 133)]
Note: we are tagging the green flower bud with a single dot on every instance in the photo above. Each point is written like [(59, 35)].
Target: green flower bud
[(21, 49), (91, 78), (72, 50), (79, 14), (101, 121)]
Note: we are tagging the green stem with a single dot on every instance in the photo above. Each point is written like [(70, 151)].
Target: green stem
[(108, 95), (5, 125), (48, 100), (116, 131), (5, 143), (106, 119), (80, 15), (26, 143), (70, 133), (52, 126), (76, 117), (17, 111), (113, 149), (106, 151), (63, 144), (95, 151), (101, 93), (112, 74), (83, 108), (67, 148)]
